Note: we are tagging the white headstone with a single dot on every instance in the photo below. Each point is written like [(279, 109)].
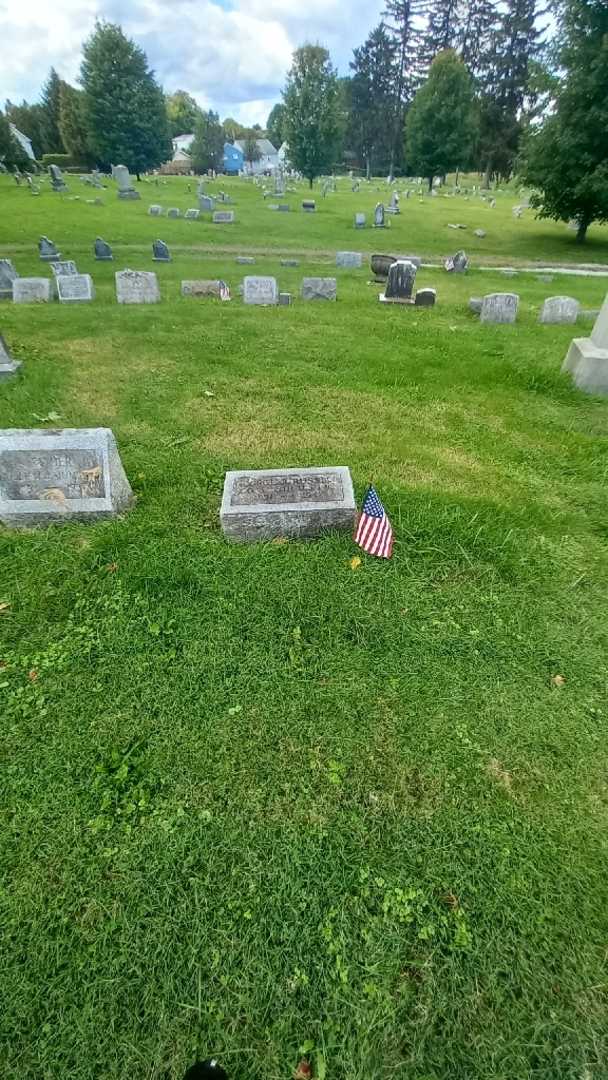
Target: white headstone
[(587, 358), (8, 365), (33, 290), (137, 287), (559, 309), (499, 308), (60, 269), (7, 276), (349, 259), (75, 288), (260, 290)]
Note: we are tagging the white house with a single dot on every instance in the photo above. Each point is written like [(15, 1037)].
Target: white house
[(181, 145), (268, 160), (23, 141)]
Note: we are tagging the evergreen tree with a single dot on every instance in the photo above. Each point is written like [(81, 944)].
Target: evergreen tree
[(73, 124), (11, 151), (182, 113), (443, 29), (312, 123), (207, 150), (567, 159), (275, 125), (372, 99), (29, 120), (404, 23), (441, 123), (51, 136), (124, 105), (477, 35)]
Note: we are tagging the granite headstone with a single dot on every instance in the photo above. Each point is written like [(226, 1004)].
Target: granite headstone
[(137, 287), (289, 503)]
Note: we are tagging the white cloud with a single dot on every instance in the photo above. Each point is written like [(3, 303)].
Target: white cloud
[(232, 58)]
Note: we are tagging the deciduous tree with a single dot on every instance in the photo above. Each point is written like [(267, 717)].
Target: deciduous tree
[(442, 121), (312, 124), (207, 150)]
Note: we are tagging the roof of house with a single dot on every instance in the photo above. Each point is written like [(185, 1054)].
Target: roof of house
[(264, 146), (180, 141)]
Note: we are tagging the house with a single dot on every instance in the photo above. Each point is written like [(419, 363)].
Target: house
[(181, 145), (23, 141), (268, 160), (233, 159)]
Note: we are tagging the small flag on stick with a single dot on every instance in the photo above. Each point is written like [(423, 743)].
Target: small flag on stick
[(224, 291), (374, 532)]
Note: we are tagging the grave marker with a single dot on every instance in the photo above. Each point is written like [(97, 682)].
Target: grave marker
[(48, 251), (123, 179), (399, 283), (201, 288), (349, 259), (457, 264), (425, 297), (174, 212), (360, 220), (160, 251), (284, 299), (559, 309), (155, 210), (260, 290), (319, 288), (75, 288), (8, 274), (61, 269), (103, 251), (34, 290), (379, 216), (192, 214), (205, 202), (499, 308), (137, 287), (268, 503), (8, 365), (309, 206), (587, 358), (223, 217)]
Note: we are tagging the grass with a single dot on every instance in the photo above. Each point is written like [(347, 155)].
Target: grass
[(257, 803)]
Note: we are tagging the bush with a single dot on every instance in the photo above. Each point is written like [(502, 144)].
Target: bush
[(64, 161)]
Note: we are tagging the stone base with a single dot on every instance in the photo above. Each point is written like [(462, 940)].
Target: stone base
[(395, 299), (588, 366), (132, 194), (104, 258), (9, 368)]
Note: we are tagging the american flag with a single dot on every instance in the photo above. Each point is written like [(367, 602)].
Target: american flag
[(374, 532), (224, 291)]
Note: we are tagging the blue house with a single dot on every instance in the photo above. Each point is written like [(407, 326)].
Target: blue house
[(233, 159)]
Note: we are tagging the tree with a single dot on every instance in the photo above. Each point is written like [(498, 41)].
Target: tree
[(275, 125), (11, 151), (441, 123), (182, 113), (311, 111), (207, 150), (404, 27), (443, 28), (233, 130), (73, 123), (477, 34), (567, 158), (371, 99), (124, 105), (29, 120), (51, 136), (251, 150)]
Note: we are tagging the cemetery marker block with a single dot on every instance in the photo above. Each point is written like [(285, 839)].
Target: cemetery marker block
[(268, 503)]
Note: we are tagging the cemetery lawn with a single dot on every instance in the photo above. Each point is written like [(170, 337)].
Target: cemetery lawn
[(265, 801)]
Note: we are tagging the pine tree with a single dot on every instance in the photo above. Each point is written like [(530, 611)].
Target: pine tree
[(372, 99), (207, 150), (443, 29), (51, 136), (29, 120), (124, 105), (312, 123), (441, 123), (567, 159), (404, 23), (476, 44), (73, 124)]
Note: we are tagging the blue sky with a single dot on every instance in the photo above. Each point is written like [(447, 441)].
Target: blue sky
[(232, 56)]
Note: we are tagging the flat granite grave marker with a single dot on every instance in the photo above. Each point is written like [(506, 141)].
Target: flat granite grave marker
[(160, 251), (155, 210), (33, 290), (268, 503), (245, 260), (284, 299), (290, 262), (499, 308), (8, 365), (174, 211), (137, 287), (223, 217), (559, 309), (192, 214), (103, 251), (319, 288), (75, 288), (206, 202), (48, 251), (61, 269), (202, 287), (309, 206), (587, 358), (283, 208), (8, 274), (60, 475), (476, 304), (425, 297), (260, 290), (349, 259)]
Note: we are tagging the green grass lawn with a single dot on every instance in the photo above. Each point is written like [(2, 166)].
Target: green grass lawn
[(257, 802)]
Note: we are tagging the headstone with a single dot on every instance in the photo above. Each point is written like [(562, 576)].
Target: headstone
[(137, 287), (103, 251), (499, 308), (309, 206), (260, 290), (61, 269), (480, 233), (160, 251), (201, 288), (155, 210), (283, 208), (319, 288), (75, 288), (55, 475), (476, 304), (57, 181), (426, 297), (48, 251), (545, 278), (8, 365), (174, 211), (559, 309), (245, 260), (399, 283), (205, 202), (33, 290), (290, 262), (284, 299), (289, 503), (7, 276), (587, 358), (360, 221), (381, 264), (393, 206), (349, 259), (192, 214), (379, 216), (125, 186), (457, 264), (223, 217), (273, 206)]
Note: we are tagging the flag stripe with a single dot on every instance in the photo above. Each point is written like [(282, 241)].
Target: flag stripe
[(374, 532)]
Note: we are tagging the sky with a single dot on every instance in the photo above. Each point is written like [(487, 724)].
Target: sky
[(231, 55)]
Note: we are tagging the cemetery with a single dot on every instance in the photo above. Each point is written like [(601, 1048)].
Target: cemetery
[(266, 791)]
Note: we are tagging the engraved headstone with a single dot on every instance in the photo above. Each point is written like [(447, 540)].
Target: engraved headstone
[(559, 309), (349, 259), (174, 211), (125, 186), (283, 208), (379, 216), (61, 269), (425, 297), (103, 251), (155, 210), (587, 358), (245, 260), (160, 251), (360, 221), (137, 287), (457, 263), (223, 217), (284, 299), (8, 365), (60, 475), (480, 233), (34, 290), (393, 206), (309, 206), (48, 251), (7, 276), (201, 288), (499, 308), (269, 503), (260, 290), (57, 181), (75, 288), (192, 214), (205, 202), (399, 283), (319, 288), (475, 304), (290, 262)]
